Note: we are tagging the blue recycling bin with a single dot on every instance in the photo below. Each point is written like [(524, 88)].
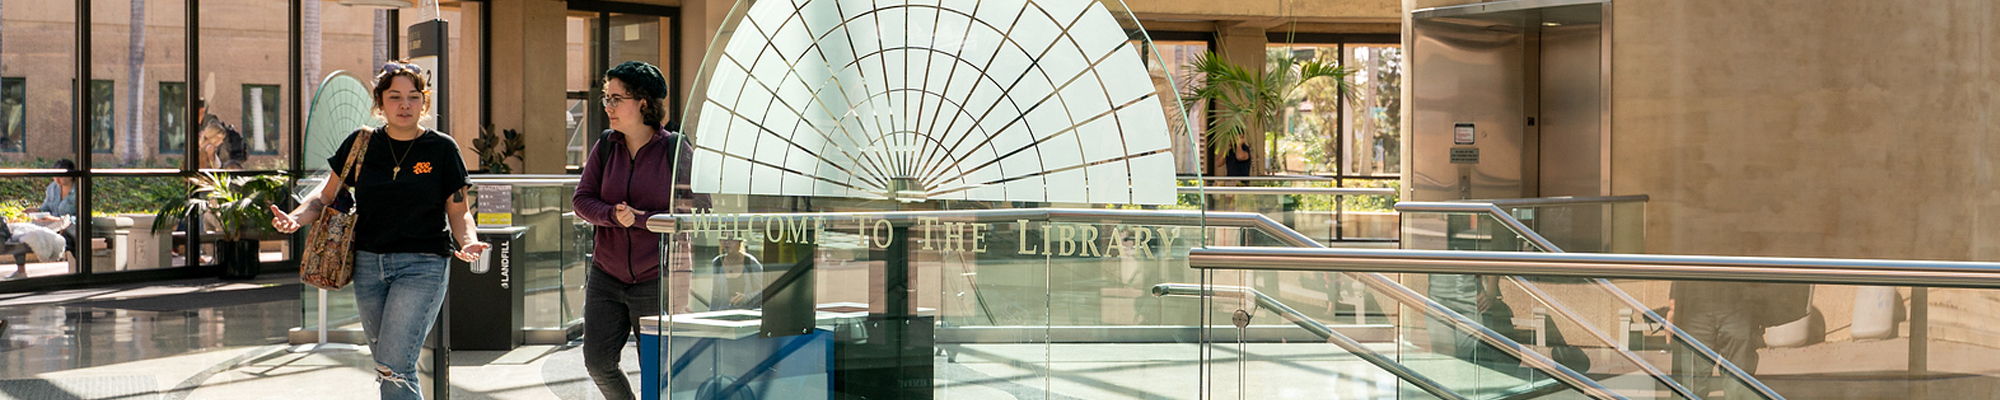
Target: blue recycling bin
[(720, 355)]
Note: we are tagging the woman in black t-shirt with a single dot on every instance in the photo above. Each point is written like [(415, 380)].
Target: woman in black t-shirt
[(408, 187)]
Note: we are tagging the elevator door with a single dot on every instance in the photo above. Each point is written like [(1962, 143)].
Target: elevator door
[(1572, 145)]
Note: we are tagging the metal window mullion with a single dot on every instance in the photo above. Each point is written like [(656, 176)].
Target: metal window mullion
[(192, 126), (295, 54), (80, 132), (191, 163)]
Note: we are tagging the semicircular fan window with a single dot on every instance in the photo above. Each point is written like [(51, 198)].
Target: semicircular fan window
[(999, 100)]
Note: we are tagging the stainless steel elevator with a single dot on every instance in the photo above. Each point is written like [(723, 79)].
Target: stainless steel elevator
[(1508, 100)]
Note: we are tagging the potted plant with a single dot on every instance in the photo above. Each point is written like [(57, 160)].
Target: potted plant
[(496, 149), (1241, 101), (238, 205)]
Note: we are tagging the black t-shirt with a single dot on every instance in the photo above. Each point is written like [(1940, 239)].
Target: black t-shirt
[(1236, 167), (405, 214)]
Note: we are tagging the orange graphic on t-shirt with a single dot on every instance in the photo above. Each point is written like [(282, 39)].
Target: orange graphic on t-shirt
[(422, 168)]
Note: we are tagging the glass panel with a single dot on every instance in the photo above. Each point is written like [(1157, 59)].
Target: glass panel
[(243, 79), (1334, 219), (36, 118), (1460, 231), (125, 232), (1264, 352), (135, 45), (37, 221), (1596, 227), (584, 121), (1373, 121), (1307, 135), (541, 208), (886, 173)]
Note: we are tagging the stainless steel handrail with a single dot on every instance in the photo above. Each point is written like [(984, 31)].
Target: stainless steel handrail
[(1288, 190), (1268, 178), (1981, 275), (1318, 329), (1565, 200)]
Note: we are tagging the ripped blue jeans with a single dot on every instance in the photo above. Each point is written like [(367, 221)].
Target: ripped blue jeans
[(399, 295)]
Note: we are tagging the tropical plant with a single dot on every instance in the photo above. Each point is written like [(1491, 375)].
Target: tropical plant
[(495, 150), (238, 203), (1242, 101)]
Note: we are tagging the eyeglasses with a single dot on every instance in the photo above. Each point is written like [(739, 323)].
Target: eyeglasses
[(612, 101)]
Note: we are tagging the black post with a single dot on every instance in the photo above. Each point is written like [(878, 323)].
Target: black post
[(80, 116), (896, 276), (893, 356)]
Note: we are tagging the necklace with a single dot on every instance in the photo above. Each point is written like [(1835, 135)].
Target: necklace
[(398, 170)]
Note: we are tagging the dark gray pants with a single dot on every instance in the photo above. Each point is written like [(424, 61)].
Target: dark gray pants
[(611, 312)]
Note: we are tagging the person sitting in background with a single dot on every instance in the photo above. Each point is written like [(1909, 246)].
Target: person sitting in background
[(59, 200), (47, 221)]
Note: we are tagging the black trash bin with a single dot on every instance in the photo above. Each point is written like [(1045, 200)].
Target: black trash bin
[(485, 296)]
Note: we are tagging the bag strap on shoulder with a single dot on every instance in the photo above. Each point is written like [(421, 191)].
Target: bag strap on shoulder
[(354, 156)]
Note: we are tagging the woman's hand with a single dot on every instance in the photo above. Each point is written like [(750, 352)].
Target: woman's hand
[(624, 214), (471, 251), (283, 221)]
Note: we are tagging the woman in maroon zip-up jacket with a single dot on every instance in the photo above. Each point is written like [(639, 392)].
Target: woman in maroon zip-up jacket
[(625, 181)]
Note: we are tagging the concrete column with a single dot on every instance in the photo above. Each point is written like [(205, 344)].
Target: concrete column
[(527, 91), (700, 21), (1243, 44)]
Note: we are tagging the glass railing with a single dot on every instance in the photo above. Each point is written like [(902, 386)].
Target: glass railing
[(1614, 224), (1347, 213), (944, 304), (1805, 328), (549, 261), (1056, 301), (1598, 312), (1450, 344)]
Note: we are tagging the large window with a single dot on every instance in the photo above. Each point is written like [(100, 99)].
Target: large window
[(1374, 123), (173, 124), (1327, 132), (13, 115), (135, 45), (40, 57), (619, 37), (244, 63)]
